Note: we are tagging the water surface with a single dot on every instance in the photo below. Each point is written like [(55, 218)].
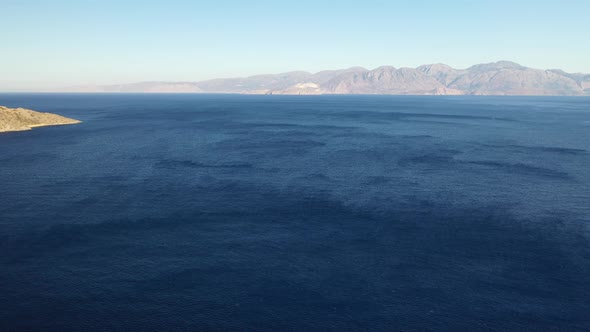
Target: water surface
[(272, 213)]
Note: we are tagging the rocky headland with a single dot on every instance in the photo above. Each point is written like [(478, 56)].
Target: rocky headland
[(19, 119)]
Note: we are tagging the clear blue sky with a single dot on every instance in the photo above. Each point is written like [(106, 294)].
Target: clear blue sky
[(59, 42)]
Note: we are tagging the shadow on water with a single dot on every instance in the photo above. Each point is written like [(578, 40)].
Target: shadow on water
[(303, 261)]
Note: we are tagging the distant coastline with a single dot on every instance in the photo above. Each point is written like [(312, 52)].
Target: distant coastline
[(21, 119), (502, 78)]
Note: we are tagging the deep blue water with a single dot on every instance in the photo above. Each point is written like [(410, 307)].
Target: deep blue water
[(269, 213)]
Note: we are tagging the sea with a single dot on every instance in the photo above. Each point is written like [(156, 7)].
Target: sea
[(188, 212)]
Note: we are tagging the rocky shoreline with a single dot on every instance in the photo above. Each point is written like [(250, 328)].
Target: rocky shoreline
[(20, 119)]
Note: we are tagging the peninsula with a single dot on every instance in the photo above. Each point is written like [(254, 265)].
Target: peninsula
[(19, 119)]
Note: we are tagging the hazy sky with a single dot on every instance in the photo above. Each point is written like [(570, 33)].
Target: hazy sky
[(58, 42)]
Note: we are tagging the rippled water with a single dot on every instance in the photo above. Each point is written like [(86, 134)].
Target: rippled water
[(269, 213)]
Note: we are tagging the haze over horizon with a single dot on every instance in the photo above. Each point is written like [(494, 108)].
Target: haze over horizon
[(111, 42)]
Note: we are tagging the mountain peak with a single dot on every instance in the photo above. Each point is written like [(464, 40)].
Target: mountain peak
[(436, 66), (498, 65), (384, 68)]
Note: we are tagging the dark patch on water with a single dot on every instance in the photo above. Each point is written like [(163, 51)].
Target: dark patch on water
[(523, 169), (376, 180), (171, 164), (448, 158), (398, 116), (539, 149), (285, 146)]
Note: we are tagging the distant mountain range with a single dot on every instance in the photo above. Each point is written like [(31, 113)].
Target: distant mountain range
[(499, 78)]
